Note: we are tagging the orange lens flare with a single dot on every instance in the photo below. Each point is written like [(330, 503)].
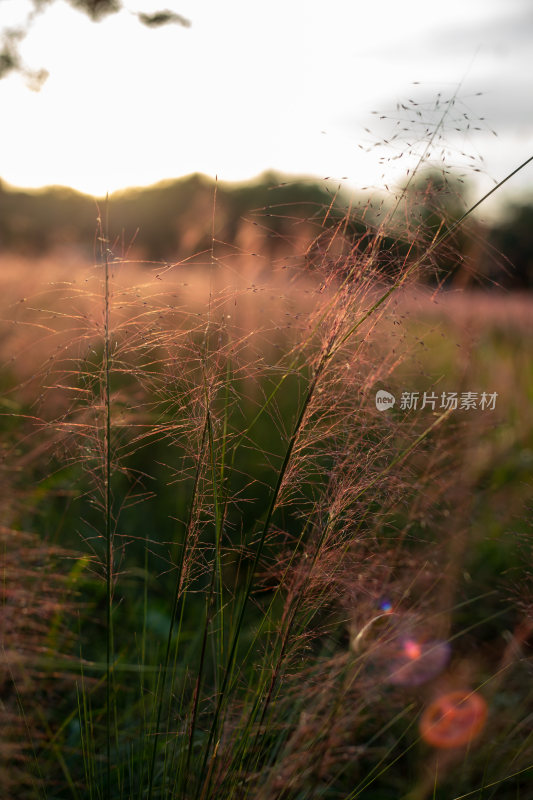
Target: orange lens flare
[(453, 719), (412, 649)]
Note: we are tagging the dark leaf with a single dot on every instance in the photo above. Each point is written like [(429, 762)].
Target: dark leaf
[(97, 9), (163, 18), (7, 63)]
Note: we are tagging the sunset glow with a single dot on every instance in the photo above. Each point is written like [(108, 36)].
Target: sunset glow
[(243, 90)]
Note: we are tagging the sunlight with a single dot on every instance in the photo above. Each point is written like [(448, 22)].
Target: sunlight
[(238, 92)]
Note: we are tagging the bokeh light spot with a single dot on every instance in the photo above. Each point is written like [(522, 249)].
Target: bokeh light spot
[(454, 719)]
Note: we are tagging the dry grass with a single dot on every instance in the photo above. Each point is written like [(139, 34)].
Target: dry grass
[(284, 510)]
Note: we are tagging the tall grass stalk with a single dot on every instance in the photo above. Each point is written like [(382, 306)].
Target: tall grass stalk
[(108, 532)]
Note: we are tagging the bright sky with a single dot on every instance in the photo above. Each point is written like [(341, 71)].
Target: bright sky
[(251, 86)]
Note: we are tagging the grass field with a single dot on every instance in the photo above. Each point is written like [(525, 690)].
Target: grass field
[(226, 572)]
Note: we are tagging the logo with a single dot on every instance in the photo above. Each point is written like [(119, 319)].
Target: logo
[(384, 400)]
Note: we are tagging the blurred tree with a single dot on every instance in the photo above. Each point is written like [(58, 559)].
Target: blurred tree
[(434, 201), (511, 243), (176, 215), (11, 60)]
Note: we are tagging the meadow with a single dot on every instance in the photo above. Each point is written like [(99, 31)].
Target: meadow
[(226, 571)]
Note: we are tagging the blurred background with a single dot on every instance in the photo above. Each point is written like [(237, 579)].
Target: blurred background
[(100, 96)]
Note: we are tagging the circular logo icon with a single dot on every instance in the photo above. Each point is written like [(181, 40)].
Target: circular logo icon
[(384, 400)]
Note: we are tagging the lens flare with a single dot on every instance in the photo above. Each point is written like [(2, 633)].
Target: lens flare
[(416, 662), (400, 650), (412, 649), (454, 719)]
